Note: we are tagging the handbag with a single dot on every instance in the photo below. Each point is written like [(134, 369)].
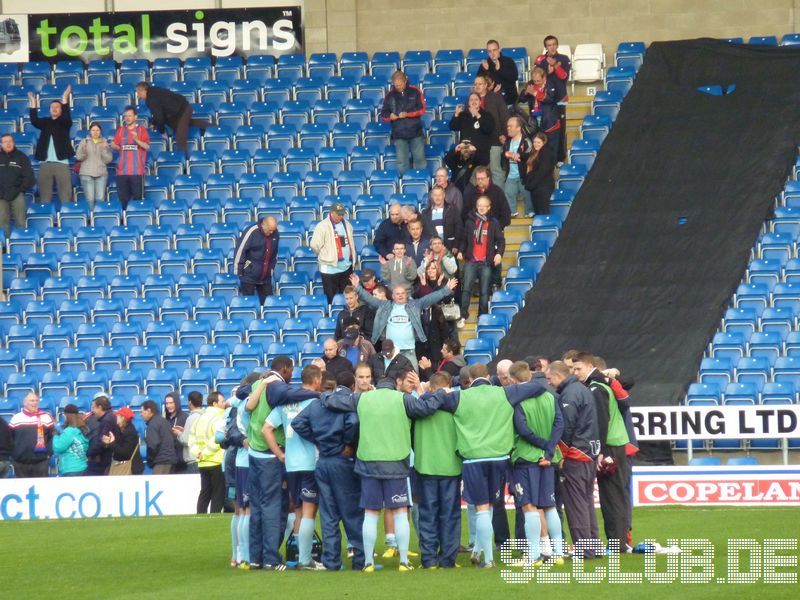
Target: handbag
[(123, 467), (451, 311)]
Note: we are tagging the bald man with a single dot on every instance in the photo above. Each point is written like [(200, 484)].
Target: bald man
[(254, 260)]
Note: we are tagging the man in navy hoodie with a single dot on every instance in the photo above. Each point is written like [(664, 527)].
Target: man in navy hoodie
[(255, 257)]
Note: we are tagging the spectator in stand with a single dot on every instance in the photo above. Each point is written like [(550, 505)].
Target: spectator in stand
[(354, 311), (445, 219), (539, 181), (70, 445), (334, 362), (418, 242), (474, 125), (494, 104), (160, 449), (502, 70), (399, 319), (447, 263), (195, 411), (171, 109), (54, 147), (558, 67), (541, 95), (400, 269), (452, 195), (381, 292), (16, 178), (515, 153), (461, 161), (255, 258), (6, 447), (333, 244), (364, 376), (33, 439), (384, 361), (390, 231), (484, 186), (482, 249), (99, 455), (132, 141), (207, 451), (354, 346), (451, 363), (403, 107), (125, 446), (177, 419), (94, 154), (368, 281), (436, 327)]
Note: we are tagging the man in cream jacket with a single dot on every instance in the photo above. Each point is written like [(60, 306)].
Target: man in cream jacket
[(332, 242)]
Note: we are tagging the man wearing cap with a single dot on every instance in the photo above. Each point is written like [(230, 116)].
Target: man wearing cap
[(255, 257), (33, 439), (400, 319), (355, 347), (387, 359), (332, 242), (99, 455)]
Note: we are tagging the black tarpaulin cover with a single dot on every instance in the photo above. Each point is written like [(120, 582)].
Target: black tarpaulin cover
[(626, 280)]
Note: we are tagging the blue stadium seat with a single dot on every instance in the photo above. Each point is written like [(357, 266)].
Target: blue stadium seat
[(247, 356), (178, 357)]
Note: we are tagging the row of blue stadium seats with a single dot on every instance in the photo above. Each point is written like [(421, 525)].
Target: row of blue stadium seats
[(762, 295), (771, 344), (758, 369), (355, 65), (743, 393)]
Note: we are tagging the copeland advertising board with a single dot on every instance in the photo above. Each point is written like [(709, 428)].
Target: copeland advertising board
[(708, 486), (160, 34)]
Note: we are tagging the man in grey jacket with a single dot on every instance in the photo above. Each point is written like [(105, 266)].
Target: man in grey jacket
[(399, 319)]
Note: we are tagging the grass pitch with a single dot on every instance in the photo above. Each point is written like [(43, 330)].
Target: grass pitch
[(188, 557)]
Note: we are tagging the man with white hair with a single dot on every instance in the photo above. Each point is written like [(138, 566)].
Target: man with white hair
[(400, 319), (502, 377)]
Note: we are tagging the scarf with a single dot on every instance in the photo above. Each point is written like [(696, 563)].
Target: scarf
[(479, 221)]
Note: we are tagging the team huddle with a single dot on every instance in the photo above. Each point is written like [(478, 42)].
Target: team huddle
[(349, 451)]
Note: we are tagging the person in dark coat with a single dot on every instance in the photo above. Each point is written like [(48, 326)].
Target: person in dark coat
[(461, 161), (125, 446), (170, 109), (159, 439), (54, 147), (387, 359), (494, 104), (486, 186), (255, 258), (444, 219), (98, 454), (403, 108), (539, 176), (389, 232), (334, 362), (353, 310), (177, 420), (502, 70), (541, 94), (16, 178), (474, 125)]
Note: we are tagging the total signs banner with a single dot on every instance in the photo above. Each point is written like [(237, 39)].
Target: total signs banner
[(151, 34)]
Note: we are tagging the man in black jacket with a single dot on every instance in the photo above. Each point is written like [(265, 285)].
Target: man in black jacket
[(484, 186), (481, 251), (444, 219), (6, 446), (255, 257), (389, 358), (403, 107), (354, 311), (54, 147), (502, 70), (462, 163), (389, 232), (99, 454), (16, 177), (160, 446), (334, 362), (580, 445), (169, 108)]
